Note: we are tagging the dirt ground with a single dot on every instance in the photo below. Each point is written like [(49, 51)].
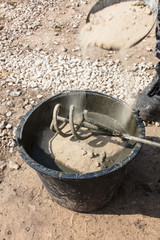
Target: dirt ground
[(27, 211)]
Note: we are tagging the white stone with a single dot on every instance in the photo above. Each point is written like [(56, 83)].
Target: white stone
[(39, 96), (2, 125), (56, 43), (8, 114), (157, 124), (9, 126), (64, 49), (75, 26), (12, 143), (14, 165), (15, 93)]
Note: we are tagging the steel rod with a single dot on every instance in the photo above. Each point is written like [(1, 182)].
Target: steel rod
[(141, 140)]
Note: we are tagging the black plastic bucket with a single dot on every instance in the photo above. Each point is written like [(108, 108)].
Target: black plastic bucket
[(78, 192)]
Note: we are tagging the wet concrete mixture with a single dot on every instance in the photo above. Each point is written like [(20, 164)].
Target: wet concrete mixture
[(81, 156)]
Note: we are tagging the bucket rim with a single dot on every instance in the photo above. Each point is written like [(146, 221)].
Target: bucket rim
[(60, 175)]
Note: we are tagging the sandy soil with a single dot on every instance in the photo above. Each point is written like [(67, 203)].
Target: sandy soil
[(134, 22), (26, 209)]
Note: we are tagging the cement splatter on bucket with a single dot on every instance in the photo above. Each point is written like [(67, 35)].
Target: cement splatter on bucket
[(78, 191)]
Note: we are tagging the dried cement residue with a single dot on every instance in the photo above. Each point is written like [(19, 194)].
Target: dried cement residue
[(92, 154), (118, 26)]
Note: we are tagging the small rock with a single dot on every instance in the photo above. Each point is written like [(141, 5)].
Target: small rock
[(12, 143), (28, 107), (145, 123), (25, 102), (9, 103), (8, 126), (27, 229), (56, 43), (75, 26), (15, 94), (11, 150), (148, 11), (149, 49), (39, 96), (157, 124), (3, 83), (8, 114), (3, 133), (14, 132), (3, 166), (64, 49), (33, 85), (75, 49), (2, 125), (14, 165), (29, 33), (38, 62), (2, 59), (98, 164), (134, 68)]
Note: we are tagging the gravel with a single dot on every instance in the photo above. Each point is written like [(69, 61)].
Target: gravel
[(56, 73)]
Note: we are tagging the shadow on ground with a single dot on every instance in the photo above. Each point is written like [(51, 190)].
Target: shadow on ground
[(140, 190)]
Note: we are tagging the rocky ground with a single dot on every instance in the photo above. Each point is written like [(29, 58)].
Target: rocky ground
[(40, 55)]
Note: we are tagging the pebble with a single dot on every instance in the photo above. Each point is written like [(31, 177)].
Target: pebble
[(25, 102), (148, 49), (27, 229), (12, 143), (157, 124), (15, 94), (56, 43), (28, 107), (64, 49), (14, 165), (39, 96), (2, 124), (3, 167), (75, 26), (8, 126), (9, 114)]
